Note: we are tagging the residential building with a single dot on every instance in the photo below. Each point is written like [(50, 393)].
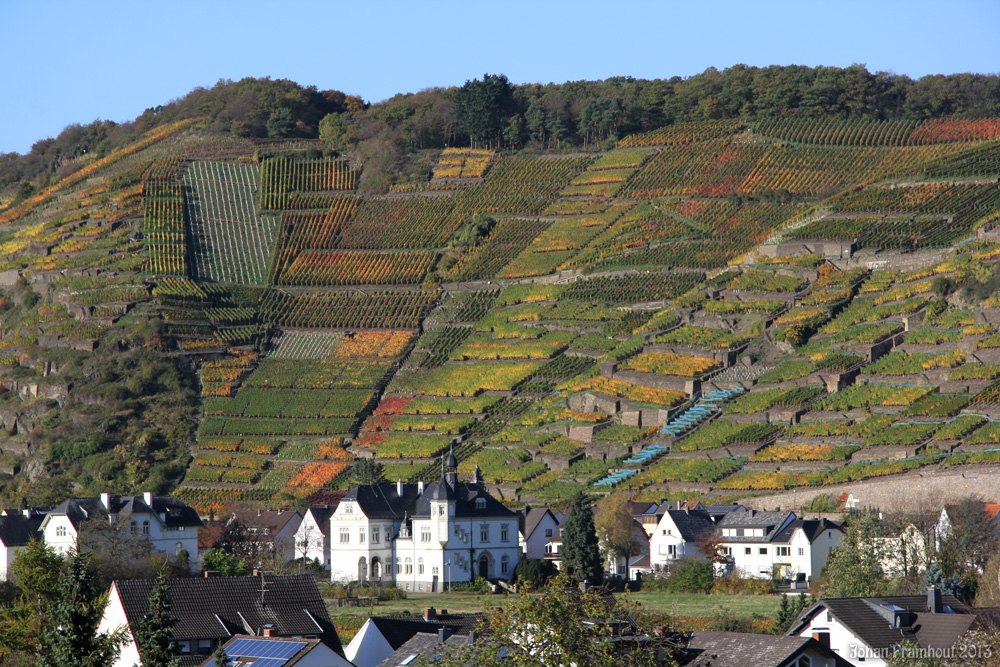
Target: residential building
[(421, 538), (904, 553), (247, 650), (538, 526), (170, 525), (270, 531), (864, 631), (210, 610), (428, 646), (16, 530), (312, 537), (680, 534), (381, 636), (619, 565), (776, 544), (744, 649)]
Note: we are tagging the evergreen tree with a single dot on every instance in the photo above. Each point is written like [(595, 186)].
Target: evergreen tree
[(221, 657), (70, 637), (154, 633), (581, 556)]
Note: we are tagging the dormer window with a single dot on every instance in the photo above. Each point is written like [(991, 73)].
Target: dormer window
[(480, 504)]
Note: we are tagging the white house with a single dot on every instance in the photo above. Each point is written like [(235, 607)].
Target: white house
[(380, 636), (312, 537), (680, 534), (421, 538), (864, 631), (170, 525), (904, 553), (16, 530), (777, 544), (210, 610), (539, 527)]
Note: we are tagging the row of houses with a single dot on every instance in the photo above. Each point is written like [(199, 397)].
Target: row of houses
[(283, 617)]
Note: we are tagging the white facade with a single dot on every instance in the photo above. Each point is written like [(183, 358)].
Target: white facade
[(533, 545), (311, 542), (783, 550), (114, 619), (168, 533), (669, 544), (456, 533), (368, 647)]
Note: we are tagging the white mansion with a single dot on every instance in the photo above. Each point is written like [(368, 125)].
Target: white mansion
[(423, 537)]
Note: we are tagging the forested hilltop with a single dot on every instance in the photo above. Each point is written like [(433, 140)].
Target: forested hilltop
[(742, 282), (569, 115)]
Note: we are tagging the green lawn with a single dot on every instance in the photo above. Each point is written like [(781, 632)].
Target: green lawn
[(349, 619)]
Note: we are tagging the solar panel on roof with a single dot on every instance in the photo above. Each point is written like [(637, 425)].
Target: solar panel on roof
[(263, 648), (269, 662)]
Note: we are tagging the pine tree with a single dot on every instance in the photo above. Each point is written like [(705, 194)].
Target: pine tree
[(70, 637), (581, 556), (221, 657), (155, 631)]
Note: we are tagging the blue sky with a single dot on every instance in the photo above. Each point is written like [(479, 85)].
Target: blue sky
[(72, 61)]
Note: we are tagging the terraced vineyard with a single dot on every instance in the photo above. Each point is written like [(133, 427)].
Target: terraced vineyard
[(231, 242), (710, 309)]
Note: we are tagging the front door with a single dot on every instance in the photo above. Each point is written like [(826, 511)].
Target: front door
[(484, 567)]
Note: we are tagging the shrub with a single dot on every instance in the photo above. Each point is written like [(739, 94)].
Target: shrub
[(693, 575)]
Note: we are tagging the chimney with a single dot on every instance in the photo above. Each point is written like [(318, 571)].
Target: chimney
[(26, 512), (259, 511), (934, 604), (420, 488), (399, 488), (823, 638), (584, 586), (147, 497), (106, 500), (256, 572), (443, 634), (430, 614), (442, 612), (471, 638), (267, 630), (212, 573)]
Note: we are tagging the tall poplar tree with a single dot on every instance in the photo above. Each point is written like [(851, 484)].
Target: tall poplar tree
[(154, 634), (581, 555)]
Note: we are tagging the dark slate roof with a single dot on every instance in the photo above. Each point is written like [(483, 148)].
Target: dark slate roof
[(769, 521), (326, 497), (382, 501), (397, 630), (220, 607), (870, 620), (322, 517), (693, 525), (812, 528), (744, 649), (16, 530), (424, 644), (274, 520), (172, 512), (723, 509)]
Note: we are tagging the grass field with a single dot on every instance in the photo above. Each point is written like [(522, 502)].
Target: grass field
[(692, 605)]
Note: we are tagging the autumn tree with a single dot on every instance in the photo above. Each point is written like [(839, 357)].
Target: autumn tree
[(562, 626), (616, 527), (36, 568), (581, 556), (854, 567)]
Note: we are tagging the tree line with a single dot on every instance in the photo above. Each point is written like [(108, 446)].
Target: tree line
[(493, 112)]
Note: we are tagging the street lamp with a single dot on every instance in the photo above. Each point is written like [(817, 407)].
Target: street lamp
[(447, 574)]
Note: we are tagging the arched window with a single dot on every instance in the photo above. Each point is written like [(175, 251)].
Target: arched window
[(399, 565), (420, 566), (145, 528), (376, 568), (409, 565), (179, 547), (133, 527)]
